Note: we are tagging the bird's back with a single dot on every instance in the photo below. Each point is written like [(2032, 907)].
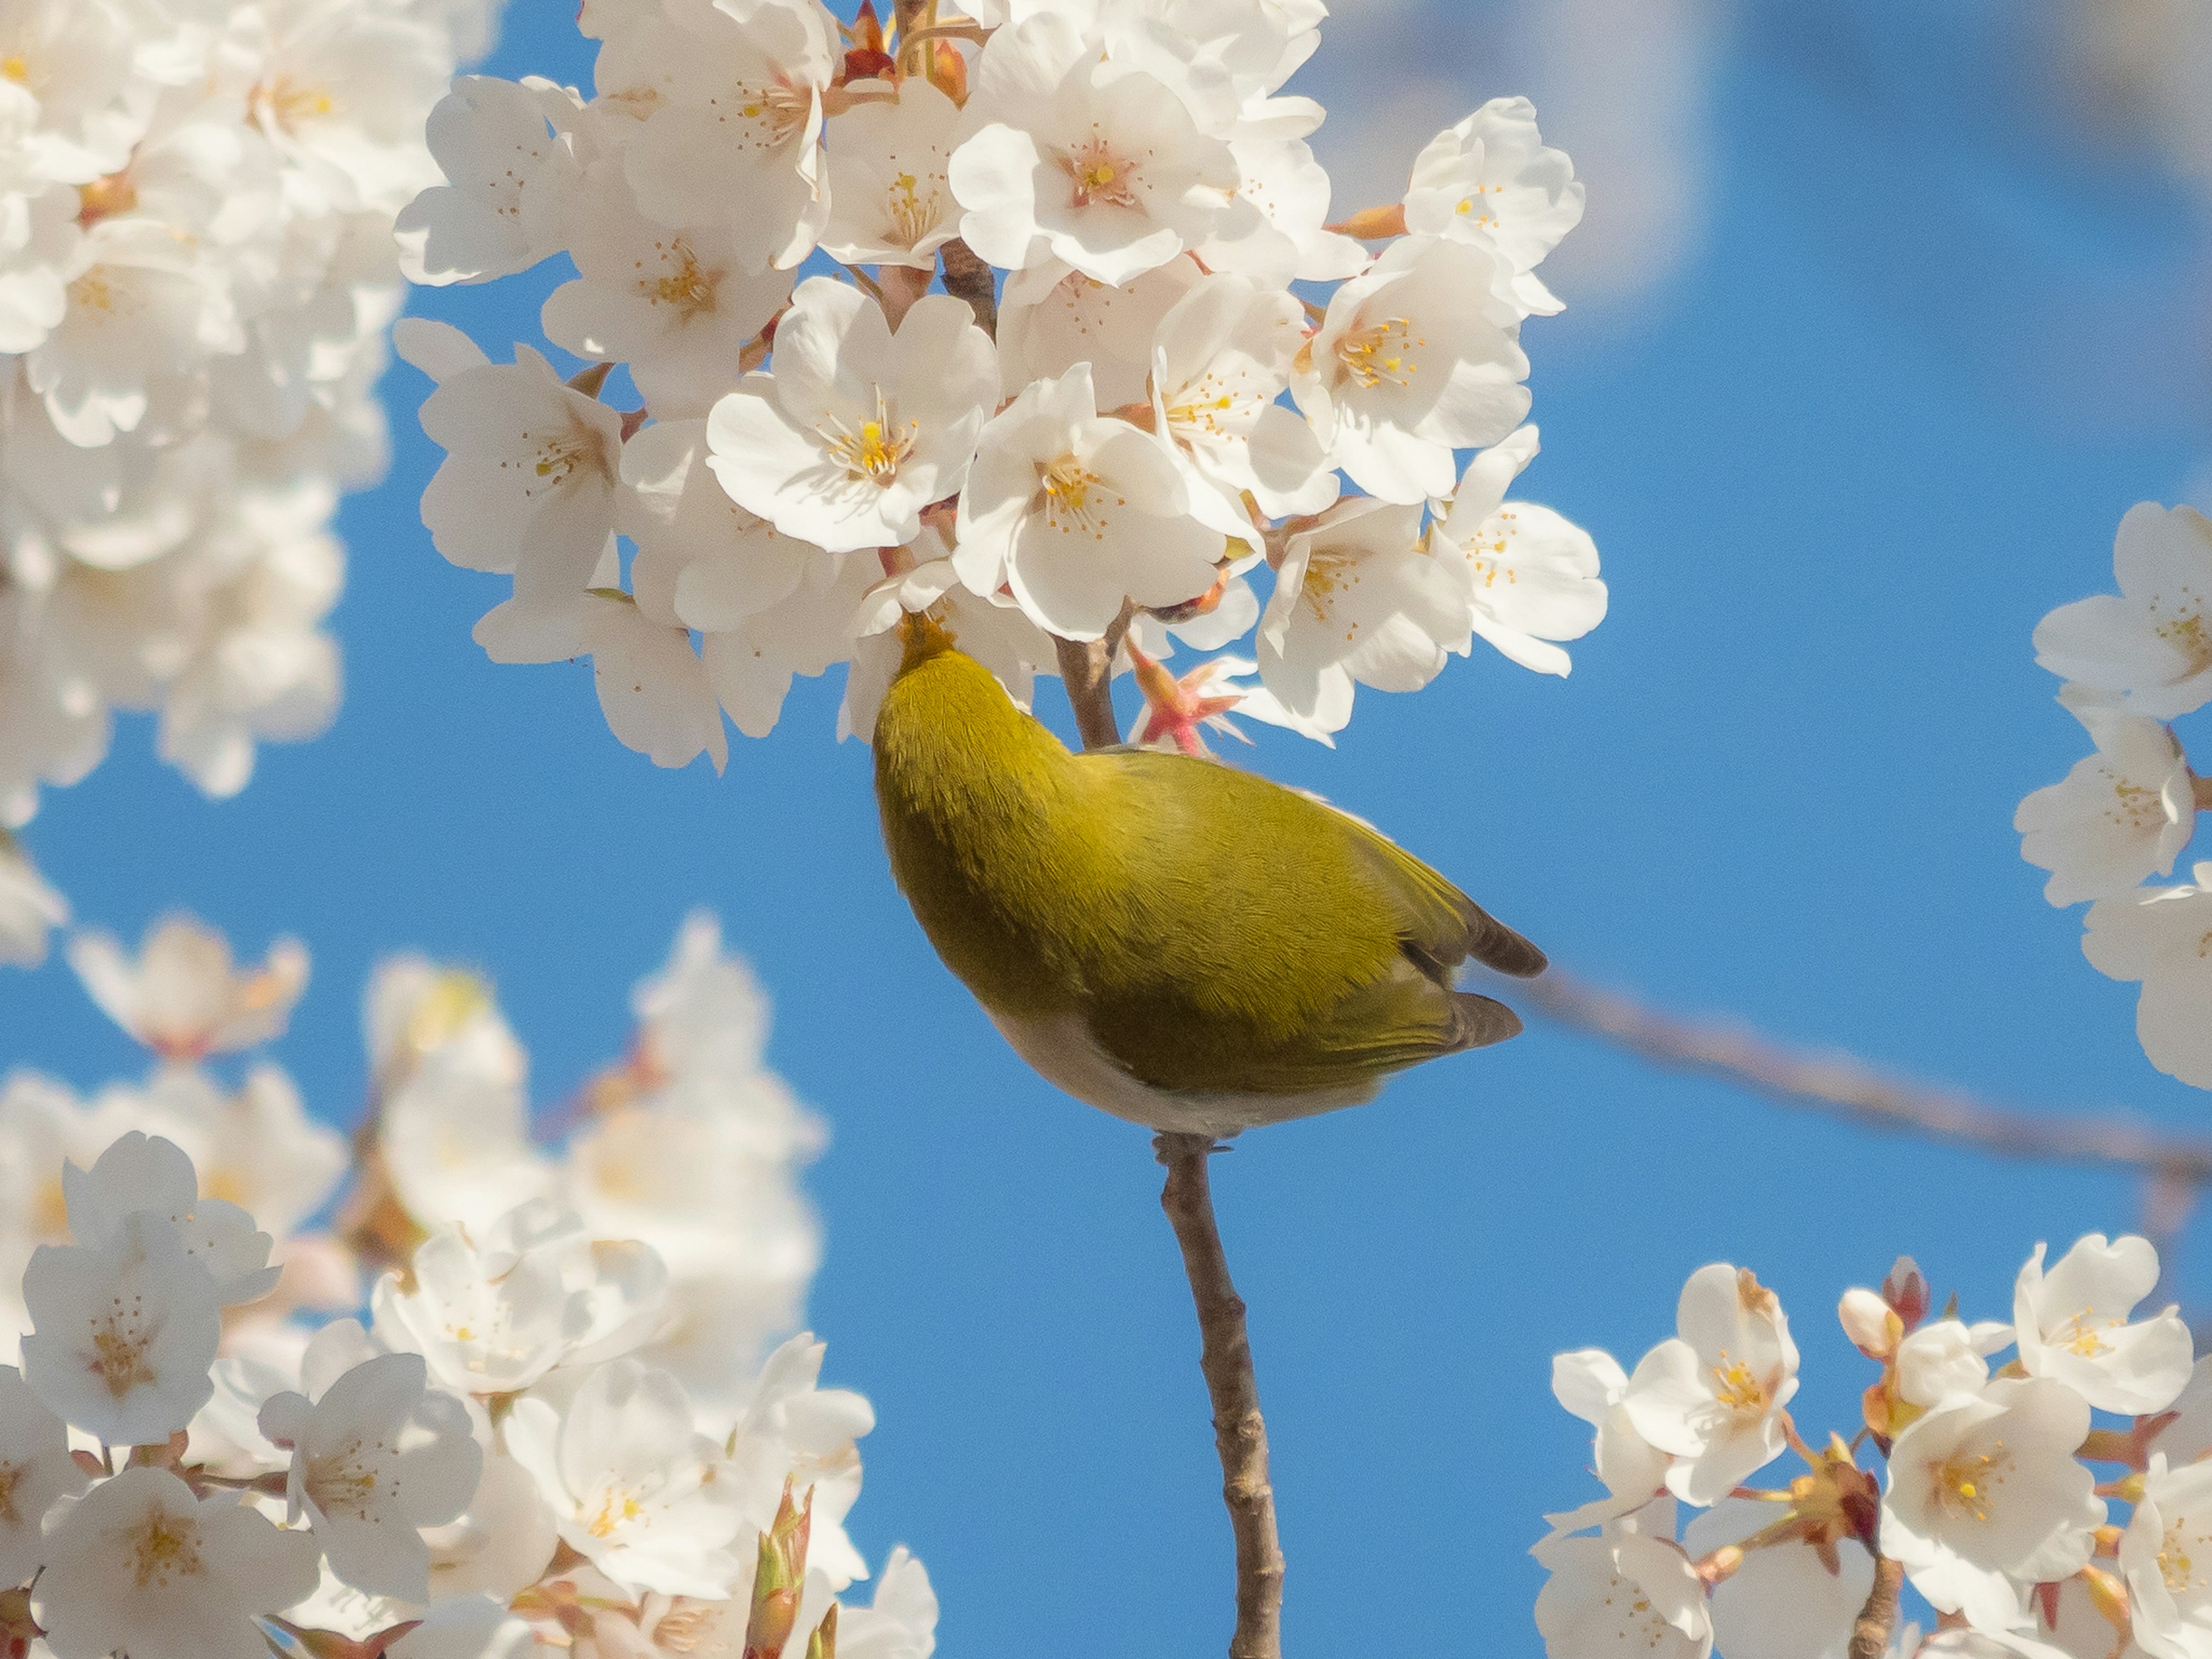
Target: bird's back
[(1212, 931)]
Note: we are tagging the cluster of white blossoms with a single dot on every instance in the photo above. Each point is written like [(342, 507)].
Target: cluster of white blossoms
[(554, 1421), (196, 276), (1118, 409), (1986, 1502), (2132, 663)]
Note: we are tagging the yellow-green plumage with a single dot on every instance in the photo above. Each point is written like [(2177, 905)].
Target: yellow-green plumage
[(1234, 951)]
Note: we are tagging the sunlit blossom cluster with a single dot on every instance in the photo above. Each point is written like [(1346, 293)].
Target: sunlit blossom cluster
[(512, 1396), (2132, 663), (2056, 1504), (196, 276), (1036, 318)]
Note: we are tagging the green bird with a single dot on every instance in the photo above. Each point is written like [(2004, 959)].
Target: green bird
[(1188, 947)]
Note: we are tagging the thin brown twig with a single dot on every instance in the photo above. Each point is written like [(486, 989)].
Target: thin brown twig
[(1086, 669), (1847, 1086), (1240, 1433), (1870, 1630)]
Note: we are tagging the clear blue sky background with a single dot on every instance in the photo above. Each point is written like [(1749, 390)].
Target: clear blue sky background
[(1917, 361)]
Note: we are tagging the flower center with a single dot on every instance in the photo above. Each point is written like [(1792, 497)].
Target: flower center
[(118, 1351), (617, 1507), (287, 104), (874, 452), (2186, 633), (1329, 576), (1099, 174), (914, 215), (559, 455), (779, 111), (1073, 498), (1382, 351), (1742, 1395), (11, 1476), (1203, 407), (1966, 1483), (167, 1547), (682, 283), (1471, 207), (2084, 1340), (93, 291), (344, 1482), (15, 67), (2175, 1564)]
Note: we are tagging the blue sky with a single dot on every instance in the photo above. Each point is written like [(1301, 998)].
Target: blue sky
[(1885, 411)]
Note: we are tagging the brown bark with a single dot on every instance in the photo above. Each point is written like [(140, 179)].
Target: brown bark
[(1870, 1630), (1240, 1433)]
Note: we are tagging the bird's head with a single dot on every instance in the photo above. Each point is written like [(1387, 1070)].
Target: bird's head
[(924, 637)]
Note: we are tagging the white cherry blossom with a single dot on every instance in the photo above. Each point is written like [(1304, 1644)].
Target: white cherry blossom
[(1358, 600), (36, 1471), (2072, 1325), (633, 1487), (530, 473), (675, 304), (123, 1332), (488, 1321), (658, 696), (890, 201), (454, 1131), (377, 1455), (858, 428), (2166, 1556), (1984, 1495), (1590, 1384), (2157, 935), (1607, 1595), (1220, 359), (1790, 1599), (141, 1565), (140, 1174), (144, 313), (1947, 1359), (182, 996), (1413, 360), (1713, 1395), (1053, 316), (510, 174), (2121, 815), (1096, 163), (792, 1426), (1491, 180), (1076, 513), (1530, 577), (2151, 645), (732, 135)]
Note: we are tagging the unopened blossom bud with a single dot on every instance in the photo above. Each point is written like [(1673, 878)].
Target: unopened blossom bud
[(1907, 1291), (948, 70), (866, 58), (822, 1645), (780, 1577), (1868, 1320)]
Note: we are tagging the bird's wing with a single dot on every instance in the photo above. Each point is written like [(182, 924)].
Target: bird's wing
[(1442, 927), (1313, 970)]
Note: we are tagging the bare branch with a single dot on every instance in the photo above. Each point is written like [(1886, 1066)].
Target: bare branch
[(1086, 669), (1870, 1630), (1848, 1087), (1240, 1433)]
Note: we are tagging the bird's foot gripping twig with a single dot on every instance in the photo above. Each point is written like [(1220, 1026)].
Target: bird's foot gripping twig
[(1240, 1433)]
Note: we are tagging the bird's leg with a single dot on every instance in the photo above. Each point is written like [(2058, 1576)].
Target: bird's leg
[(1240, 1433)]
